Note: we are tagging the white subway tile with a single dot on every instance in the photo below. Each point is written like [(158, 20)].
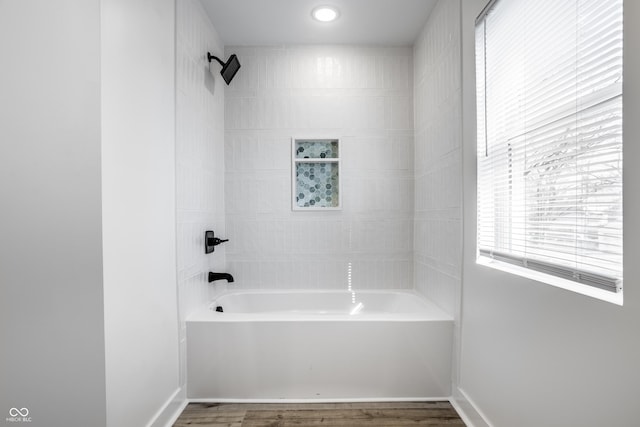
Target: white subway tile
[(308, 91), (437, 121)]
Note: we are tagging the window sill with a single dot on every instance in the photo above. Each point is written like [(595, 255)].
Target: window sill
[(614, 298)]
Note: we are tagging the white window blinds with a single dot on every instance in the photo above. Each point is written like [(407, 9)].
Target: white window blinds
[(549, 104)]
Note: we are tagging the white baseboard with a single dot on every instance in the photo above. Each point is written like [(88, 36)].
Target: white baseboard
[(468, 411), (171, 410)]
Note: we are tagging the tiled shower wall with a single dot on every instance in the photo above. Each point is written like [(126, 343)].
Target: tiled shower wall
[(199, 160), (438, 157), (362, 95)]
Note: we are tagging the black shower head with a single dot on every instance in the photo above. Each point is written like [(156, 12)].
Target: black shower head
[(229, 68)]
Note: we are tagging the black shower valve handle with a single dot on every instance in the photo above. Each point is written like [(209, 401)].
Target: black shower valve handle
[(210, 241)]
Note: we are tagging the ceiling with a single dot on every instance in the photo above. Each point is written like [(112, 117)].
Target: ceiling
[(279, 22)]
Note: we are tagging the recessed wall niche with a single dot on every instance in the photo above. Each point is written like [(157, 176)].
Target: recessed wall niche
[(315, 174)]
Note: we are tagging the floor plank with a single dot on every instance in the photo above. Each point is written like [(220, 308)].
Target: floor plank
[(379, 414)]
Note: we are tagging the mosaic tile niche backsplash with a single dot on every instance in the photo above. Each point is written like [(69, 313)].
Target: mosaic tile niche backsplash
[(316, 149), (317, 184)]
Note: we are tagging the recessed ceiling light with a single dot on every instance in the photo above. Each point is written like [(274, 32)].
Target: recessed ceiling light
[(325, 13)]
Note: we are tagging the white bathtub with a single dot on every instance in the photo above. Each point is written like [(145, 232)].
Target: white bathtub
[(319, 345)]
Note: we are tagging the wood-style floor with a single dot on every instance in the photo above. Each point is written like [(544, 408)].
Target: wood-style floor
[(392, 414)]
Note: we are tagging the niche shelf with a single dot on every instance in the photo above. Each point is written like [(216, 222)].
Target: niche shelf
[(315, 174)]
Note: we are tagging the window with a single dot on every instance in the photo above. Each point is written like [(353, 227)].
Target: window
[(549, 113)]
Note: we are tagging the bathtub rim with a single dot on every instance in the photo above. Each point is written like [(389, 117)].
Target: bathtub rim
[(432, 312)]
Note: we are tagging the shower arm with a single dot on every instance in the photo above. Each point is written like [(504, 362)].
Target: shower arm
[(210, 57)]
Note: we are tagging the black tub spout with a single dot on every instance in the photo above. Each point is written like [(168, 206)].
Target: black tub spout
[(220, 276)]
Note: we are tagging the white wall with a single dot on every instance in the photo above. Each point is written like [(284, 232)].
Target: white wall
[(51, 303), (362, 95), (199, 160), (138, 208), (536, 355), (438, 157)]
